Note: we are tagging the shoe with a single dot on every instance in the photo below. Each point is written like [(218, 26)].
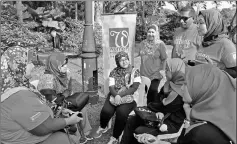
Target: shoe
[(100, 131), (89, 137), (83, 140), (113, 141)]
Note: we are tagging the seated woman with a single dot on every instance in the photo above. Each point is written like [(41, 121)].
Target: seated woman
[(171, 103), (212, 96), (56, 82), (123, 84), (216, 48), (26, 117)]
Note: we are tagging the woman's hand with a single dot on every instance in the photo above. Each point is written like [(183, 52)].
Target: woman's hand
[(67, 93), (117, 100), (66, 112), (162, 72), (187, 110), (147, 139), (209, 60), (159, 115), (73, 119)]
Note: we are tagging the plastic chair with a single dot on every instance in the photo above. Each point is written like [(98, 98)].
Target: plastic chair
[(142, 99)]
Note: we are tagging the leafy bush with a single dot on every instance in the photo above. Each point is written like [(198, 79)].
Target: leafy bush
[(167, 30)]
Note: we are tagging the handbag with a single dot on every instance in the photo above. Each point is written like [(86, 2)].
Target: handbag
[(149, 117)]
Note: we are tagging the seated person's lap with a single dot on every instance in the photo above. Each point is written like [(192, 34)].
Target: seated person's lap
[(57, 138)]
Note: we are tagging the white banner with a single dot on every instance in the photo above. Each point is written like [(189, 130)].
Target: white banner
[(118, 34)]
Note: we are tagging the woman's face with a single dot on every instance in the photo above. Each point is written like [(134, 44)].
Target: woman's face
[(151, 34), (202, 27), (63, 68), (186, 97), (124, 62)]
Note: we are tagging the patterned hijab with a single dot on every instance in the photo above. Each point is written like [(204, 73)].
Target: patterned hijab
[(119, 73), (13, 66), (213, 94), (152, 45), (216, 28), (54, 61)]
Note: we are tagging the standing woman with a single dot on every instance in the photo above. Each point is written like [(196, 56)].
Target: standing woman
[(216, 48), (153, 55)]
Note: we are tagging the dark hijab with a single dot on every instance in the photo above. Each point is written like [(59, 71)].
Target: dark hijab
[(54, 61), (216, 28)]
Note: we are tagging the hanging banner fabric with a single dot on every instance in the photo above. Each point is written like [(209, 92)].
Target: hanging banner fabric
[(118, 34)]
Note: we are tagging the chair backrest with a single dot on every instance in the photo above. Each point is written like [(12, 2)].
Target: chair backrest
[(143, 90), (35, 83)]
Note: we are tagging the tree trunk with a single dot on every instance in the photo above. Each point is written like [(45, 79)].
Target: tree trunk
[(143, 15), (76, 11), (19, 11)]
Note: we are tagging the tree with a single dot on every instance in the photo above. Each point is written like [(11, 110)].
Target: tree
[(19, 11), (98, 11)]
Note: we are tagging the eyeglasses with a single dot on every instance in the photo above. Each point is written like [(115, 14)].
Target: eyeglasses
[(123, 60), (184, 18)]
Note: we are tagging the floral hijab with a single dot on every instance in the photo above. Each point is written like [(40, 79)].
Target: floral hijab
[(54, 61), (13, 66), (216, 28), (120, 73)]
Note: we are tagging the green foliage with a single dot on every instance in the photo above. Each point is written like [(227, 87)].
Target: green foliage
[(73, 35), (228, 15), (167, 30)]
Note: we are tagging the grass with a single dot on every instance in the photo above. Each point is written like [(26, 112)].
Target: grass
[(93, 110)]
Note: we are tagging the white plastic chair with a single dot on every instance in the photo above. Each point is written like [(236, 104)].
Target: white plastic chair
[(142, 99)]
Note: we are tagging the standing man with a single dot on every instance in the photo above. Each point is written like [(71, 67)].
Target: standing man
[(57, 40), (186, 40)]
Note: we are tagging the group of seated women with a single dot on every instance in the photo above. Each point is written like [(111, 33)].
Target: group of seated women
[(202, 97)]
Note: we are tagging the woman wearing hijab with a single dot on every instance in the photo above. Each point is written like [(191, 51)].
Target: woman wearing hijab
[(170, 102), (57, 82), (153, 56), (216, 48), (212, 96), (26, 116), (120, 99)]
